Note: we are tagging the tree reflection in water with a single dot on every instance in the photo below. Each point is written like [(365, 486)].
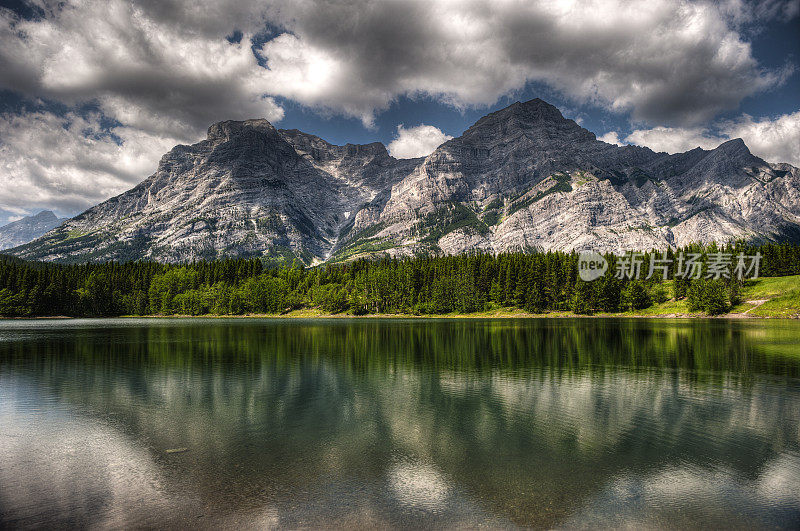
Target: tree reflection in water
[(400, 422)]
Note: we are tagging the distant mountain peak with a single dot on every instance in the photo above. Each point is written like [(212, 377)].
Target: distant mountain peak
[(44, 215), (535, 119), (28, 228)]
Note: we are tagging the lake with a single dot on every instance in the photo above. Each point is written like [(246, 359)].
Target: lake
[(399, 423)]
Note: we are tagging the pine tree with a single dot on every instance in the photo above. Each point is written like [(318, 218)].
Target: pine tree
[(582, 298), (635, 296)]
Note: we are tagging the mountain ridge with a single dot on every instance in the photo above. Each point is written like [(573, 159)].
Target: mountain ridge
[(28, 228), (519, 178)]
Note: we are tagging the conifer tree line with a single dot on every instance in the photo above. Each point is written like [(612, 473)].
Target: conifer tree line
[(536, 282)]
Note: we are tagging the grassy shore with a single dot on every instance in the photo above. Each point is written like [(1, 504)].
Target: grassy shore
[(769, 297), (781, 296), (765, 298)]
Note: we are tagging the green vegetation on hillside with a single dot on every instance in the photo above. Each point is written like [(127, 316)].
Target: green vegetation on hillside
[(448, 219), (562, 184)]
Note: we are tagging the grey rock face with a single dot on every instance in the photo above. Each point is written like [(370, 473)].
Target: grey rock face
[(27, 229), (520, 178)]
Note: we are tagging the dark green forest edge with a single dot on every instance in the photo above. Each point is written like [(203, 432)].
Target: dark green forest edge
[(470, 284)]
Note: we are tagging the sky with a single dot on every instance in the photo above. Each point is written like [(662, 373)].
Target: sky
[(93, 93)]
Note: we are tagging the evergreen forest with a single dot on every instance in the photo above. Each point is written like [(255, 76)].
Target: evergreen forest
[(536, 282)]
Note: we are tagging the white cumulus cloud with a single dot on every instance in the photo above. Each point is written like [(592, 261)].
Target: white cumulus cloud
[(417, 141), (71, 162)]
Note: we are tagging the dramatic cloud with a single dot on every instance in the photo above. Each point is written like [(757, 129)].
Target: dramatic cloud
[(165, 66), (71, 162), (163, 70), (775, 140), (671, 62), (417, 141), (153, 66), (743, 12)]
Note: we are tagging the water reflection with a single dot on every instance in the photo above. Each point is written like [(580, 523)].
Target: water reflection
[(400, 423)]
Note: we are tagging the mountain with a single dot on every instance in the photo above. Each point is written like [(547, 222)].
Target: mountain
[(520, 178), (28, 228)]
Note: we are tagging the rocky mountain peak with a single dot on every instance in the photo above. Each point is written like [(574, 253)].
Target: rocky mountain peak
[(226, 130), (730, 155), (535, 119), (374, 149), (248, 144), (537, 110), (735, 148), (45, 215), (530, 113), (321, 150), (522, 177)]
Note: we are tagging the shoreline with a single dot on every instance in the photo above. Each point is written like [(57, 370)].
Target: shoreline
[(311, 314)]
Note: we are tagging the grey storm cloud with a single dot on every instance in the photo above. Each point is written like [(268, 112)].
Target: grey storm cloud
[(665, 62), (169, 75)]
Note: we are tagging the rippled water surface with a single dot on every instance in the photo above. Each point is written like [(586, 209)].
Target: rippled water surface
[(400, 423)]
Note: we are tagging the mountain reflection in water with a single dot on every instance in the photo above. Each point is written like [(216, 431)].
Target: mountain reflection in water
[(401, 423)]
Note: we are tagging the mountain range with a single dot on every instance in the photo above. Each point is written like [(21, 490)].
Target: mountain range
[(521, 178), (28, 228)]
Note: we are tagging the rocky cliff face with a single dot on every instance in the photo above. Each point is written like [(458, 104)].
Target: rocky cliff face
[(521, 178), (27, 229)]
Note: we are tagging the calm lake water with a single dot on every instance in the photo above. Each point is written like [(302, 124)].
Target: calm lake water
[(400, 423)]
